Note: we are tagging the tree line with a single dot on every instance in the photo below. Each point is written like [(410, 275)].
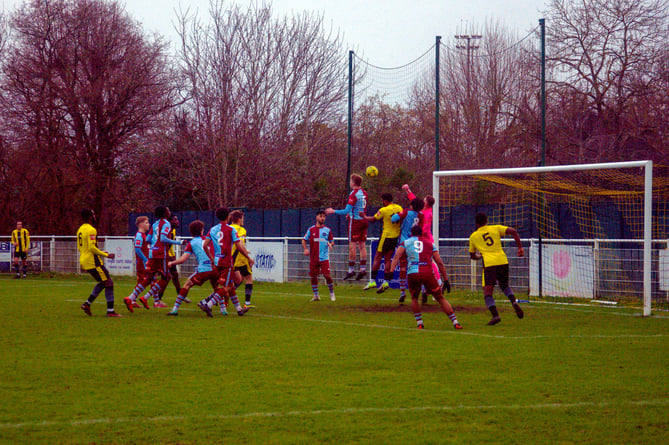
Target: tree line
[(250, 109)]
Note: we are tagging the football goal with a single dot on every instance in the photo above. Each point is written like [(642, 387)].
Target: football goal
[(591, 231)]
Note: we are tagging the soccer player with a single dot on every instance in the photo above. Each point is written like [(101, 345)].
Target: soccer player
[(171, 256), (487, 241), (141, 246), (320, 240), (409, 217), (420, 253), (21, 242), (157, 263), (427, 227), (223, 237), (243, 272), (205, 270), (357, 226), (387, 244), (427, 212), (90, 258)]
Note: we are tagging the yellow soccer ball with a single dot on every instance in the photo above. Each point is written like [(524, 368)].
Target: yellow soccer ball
[(372, 171)]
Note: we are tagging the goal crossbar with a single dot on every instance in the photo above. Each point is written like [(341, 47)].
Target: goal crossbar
[(647, 211)]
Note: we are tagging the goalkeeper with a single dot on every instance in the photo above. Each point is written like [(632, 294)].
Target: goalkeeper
[(487, 241)]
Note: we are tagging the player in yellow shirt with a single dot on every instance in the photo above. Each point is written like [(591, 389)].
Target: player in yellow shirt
[(90, 258), (171, 256), (21, 242), (485, 243), (243, 271), (387, 244)]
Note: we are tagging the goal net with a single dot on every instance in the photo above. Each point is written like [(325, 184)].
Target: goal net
[(590, 231)]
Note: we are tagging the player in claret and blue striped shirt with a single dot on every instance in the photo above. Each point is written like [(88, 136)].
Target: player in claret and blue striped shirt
[(205, 269), (410, 218), (357, 226), (320, 240), (419, 253), (223, 237), (157, 263), (141, 246)]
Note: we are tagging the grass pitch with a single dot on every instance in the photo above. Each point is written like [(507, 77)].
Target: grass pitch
[(293, 371)]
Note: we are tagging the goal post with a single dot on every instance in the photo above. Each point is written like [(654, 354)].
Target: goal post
[(534, 190)]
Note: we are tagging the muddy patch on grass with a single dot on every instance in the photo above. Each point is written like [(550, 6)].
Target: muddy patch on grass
[(434, 307)]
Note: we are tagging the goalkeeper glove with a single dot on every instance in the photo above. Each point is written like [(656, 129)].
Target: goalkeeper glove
[(446, 287)]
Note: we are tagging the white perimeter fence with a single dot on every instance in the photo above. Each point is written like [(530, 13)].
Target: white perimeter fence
[(595, 269)]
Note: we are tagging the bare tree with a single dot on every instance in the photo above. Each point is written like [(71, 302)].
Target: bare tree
[(81, 81), (489, 109), (3, 32), (266, 97), (601, 55)]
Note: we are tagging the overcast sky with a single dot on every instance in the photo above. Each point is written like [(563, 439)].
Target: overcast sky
[(387, 33)]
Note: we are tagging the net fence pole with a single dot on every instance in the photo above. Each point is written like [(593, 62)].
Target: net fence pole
[(542, 162), (350, 118), (542, 24), (435, 220), (437, 103)]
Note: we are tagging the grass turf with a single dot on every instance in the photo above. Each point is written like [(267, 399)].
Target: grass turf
[(351, 371)]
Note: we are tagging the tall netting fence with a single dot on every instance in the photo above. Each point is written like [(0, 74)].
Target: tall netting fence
[(457, 105), (392, 120)]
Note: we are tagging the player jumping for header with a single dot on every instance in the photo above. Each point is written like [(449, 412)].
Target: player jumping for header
[(357, 226)]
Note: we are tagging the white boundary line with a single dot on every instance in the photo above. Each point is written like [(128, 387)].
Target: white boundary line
[(453, 408), (453, 332), (621, 311), (608, 310), (427, 330)]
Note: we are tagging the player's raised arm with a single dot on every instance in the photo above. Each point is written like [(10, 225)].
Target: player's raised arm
[(342, 212), (408, 191)]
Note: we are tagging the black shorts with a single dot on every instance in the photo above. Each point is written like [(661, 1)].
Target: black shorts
[(173, 269), (243, 270), (21, 255), (496, 275), (100, 274), (387, 245)]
